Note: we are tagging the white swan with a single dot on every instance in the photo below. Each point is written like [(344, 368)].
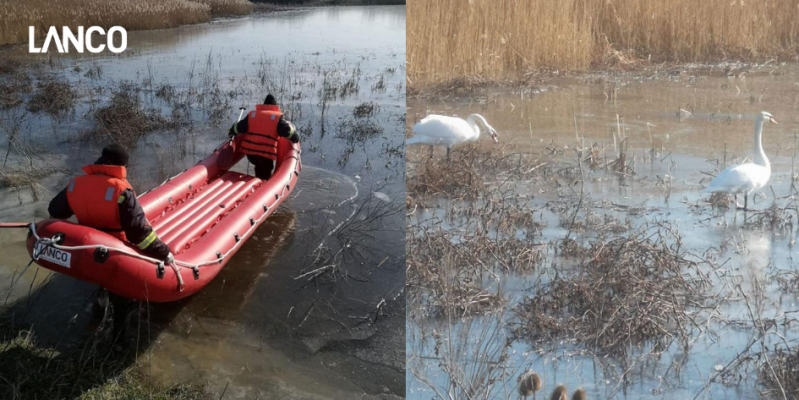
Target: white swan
[(746, 178), (438, 130)]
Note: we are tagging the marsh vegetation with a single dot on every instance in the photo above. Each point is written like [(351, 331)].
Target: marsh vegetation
[(485, 39), (581, 249), (17, 15)]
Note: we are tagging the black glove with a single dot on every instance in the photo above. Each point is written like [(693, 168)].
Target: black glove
[(293, 136)]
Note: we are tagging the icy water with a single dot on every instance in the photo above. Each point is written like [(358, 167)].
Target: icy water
[(260, 329), (717, 130)]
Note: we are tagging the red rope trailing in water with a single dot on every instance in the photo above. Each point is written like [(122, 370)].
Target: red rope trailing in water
[(15, 224)]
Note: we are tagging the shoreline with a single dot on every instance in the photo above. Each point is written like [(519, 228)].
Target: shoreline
[(458, 86), (249, 8)]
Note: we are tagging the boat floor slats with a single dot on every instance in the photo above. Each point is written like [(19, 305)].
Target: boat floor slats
[(198, 213)]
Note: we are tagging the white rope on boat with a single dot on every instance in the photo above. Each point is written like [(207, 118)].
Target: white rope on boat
[(177, 265)]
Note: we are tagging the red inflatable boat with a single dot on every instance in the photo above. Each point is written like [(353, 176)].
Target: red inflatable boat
[(205, 215)]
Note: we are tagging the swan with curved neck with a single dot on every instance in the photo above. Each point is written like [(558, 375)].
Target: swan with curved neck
[(439, 130), (746, 178)]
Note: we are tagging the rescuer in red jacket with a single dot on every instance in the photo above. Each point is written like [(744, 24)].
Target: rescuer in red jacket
[(261, 129), (103, 199)]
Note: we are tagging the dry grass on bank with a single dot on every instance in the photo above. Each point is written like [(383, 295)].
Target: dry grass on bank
[(227, 7), (17, 15), (33, 372), (455, 38)]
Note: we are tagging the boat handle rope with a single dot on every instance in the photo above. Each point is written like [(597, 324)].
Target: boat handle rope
[(160, 265)]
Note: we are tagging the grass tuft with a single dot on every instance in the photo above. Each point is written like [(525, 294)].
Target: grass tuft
[(53, 96), (33, 372), (625, 291), (124, 120)]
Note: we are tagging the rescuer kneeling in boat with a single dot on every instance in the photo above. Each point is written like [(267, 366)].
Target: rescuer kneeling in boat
[(103, 199), (261, 129)]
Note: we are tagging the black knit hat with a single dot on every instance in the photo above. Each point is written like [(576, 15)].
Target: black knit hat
[(270, 100), (115, 154)]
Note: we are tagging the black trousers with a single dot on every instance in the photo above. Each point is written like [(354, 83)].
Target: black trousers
[(263, 166)]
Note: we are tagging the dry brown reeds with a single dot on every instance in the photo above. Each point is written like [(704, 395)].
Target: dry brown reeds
[(462, 177), (12, 86), (365, 109), (16, 16), (454, 38), (24, 164), (9, 65), (447, 266), (446, 275), (775, 218), (53, 96), (592, 221), (227, 7), (780, 375), (357, 129), (24, 178), (472, 355), (124, 120), (623, 291)]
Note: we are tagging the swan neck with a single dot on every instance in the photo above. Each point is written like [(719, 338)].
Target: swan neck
[(760, 154), (473, 122)]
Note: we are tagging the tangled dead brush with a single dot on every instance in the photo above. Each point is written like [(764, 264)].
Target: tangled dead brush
[(445, 276), (592, 221), (462, 177), (624, 291), (719, 200), (780, 377), (446, 267), (365, 109), (357, 130), (9, 65), (13, 178), (774, 218), (124, 120), (622, 60), (502, 211), (53, 96), (12, 87)]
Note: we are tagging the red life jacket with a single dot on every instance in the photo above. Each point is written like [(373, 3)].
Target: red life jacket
[(261, 136), (95, 197)]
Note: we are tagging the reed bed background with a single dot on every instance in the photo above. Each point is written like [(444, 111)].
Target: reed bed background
[(499, 39), (17, 15)]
